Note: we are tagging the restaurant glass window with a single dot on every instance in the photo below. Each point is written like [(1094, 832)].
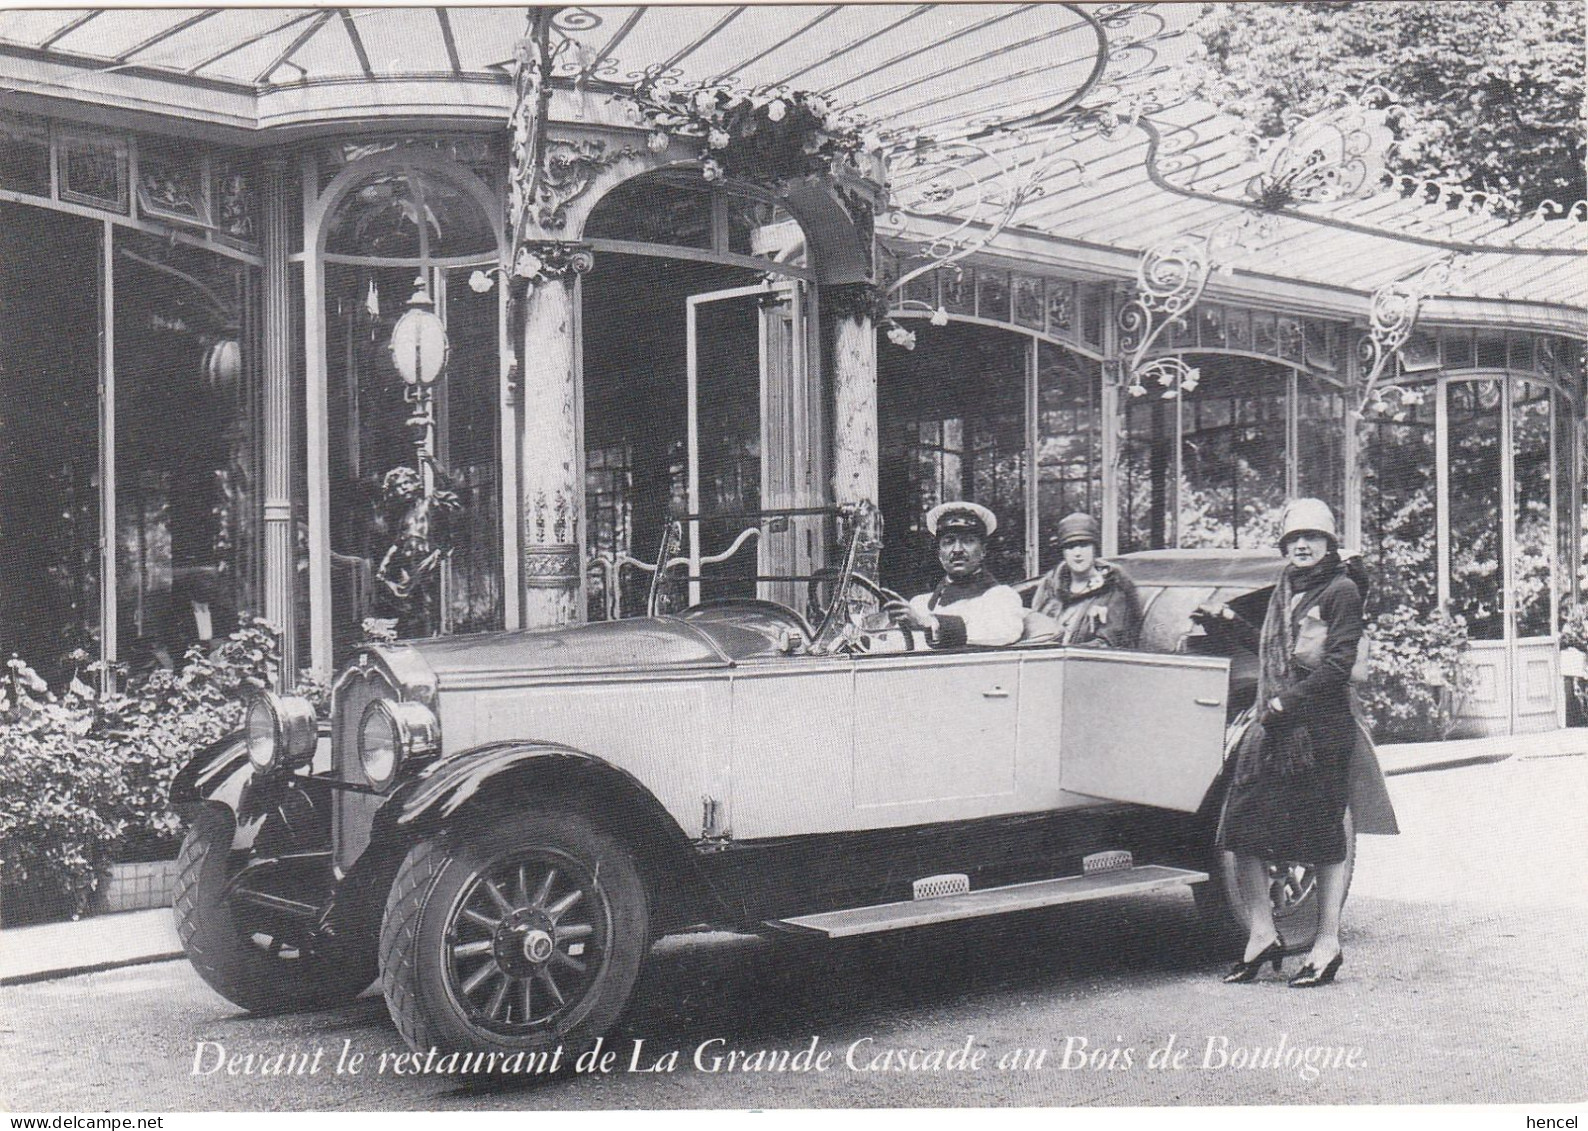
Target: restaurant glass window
[(1533, 484), (1399, 506), (952, 426), (378, 453), (1320, 441), (1208, 468), (1233, 455), (49, 439), (188, 473), (1476, 584), (1069, 455), (1569, 471)]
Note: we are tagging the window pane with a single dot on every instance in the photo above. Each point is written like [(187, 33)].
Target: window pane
[(1568, 531), (650, 210), (945, 434), (1531, 563), (187, 454), (1069, 443), (1320, 441), (1233, 455), (470, 456), (1146, 474), (49, 441), (25, 154), (1398, 516), (1474, 412)]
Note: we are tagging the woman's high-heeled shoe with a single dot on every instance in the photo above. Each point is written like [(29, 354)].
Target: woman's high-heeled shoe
[(1309, 975), (1244, 971)]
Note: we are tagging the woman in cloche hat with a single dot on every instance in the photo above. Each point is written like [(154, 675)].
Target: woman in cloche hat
[(1088, 600), (1290, 784)]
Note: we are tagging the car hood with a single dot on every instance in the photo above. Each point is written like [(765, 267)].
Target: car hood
[(641, 643)]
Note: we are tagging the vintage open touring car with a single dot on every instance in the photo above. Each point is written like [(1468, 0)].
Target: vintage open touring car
[(499, 826)]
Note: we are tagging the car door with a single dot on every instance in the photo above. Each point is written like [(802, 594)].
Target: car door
[(1134, 726), (934, 736)]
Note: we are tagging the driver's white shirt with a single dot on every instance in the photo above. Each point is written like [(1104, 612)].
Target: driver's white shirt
[(990, 619)]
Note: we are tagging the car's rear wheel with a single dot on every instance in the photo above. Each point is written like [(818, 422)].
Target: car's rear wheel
[(519, 937), (1292, 889), (260, 959)]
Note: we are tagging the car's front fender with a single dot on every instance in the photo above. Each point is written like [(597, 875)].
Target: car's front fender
[(448, 786), (221, 775), (478, 785)]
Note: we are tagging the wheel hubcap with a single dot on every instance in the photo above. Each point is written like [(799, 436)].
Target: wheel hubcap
[(526, 942), (1289, 886)]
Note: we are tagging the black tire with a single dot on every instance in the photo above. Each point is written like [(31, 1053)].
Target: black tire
[(516, 938), (247, 956), (1292, 887)]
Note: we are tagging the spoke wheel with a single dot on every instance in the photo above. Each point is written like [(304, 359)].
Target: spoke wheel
[(523, 936), (527, 939)]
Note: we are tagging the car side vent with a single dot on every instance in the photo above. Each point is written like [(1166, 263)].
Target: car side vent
[(935, 887), (1110, 860)]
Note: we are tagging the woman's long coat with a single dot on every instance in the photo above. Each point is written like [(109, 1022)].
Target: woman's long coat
[(1299, 814)]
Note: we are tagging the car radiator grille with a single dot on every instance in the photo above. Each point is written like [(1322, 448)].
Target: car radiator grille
[(353, 813)]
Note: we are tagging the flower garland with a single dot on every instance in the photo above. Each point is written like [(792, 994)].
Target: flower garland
[(763, 136), (869, 300)]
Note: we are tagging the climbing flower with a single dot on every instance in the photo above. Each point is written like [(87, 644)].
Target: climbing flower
[(777, 110), (480, 282), (939, 317), (528, 265), (899, 336), (657, 141), (717, 139), (710, 170)]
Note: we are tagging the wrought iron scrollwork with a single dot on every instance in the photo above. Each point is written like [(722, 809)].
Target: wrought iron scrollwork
[(1392, 315)]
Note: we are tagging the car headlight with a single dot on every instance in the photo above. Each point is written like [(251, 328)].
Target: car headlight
[(281, 731), (390, 734)]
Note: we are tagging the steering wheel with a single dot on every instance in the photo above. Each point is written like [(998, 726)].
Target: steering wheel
[(816, 609)]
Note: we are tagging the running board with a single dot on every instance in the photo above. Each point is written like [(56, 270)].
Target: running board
[(989, 901)]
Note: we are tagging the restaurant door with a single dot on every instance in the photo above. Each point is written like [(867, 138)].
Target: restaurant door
[(1499, 484), (755, 445)]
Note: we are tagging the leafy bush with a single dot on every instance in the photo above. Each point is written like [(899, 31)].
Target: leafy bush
[(1418, 676), (84, 781)]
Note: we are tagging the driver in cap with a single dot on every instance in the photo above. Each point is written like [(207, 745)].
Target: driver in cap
[(968, 606)]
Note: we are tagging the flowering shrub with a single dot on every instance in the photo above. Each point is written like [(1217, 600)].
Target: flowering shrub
[(762, 136), (1574, 628), (84, 781), (1417, 675)]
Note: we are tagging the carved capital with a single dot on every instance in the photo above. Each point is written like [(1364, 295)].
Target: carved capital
[(551, 566), (543, 261)]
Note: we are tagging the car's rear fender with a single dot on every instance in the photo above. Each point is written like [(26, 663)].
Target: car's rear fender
[(479, 785)]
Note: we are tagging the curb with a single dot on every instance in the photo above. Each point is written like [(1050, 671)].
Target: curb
[(92, 968), (1453, 763)]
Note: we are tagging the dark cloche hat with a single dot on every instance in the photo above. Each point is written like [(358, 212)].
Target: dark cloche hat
[(1077, 528)]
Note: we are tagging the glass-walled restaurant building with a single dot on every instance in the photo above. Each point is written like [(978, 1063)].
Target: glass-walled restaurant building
[(212, 222)]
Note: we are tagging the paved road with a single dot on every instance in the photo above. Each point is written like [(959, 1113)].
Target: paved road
[(1464, 982)]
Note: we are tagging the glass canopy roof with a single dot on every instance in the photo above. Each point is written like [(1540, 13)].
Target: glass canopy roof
[(938, 66)]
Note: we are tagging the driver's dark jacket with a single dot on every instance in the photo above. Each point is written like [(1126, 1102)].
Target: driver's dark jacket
[(976, 610)]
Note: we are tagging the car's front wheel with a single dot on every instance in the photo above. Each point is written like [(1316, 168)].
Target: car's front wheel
[(517, 937), (262, 959), (1292, 890)]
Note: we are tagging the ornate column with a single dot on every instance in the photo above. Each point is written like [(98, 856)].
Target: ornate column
[(276, 377), (1351, 457), (854, 393), (551, 493)]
